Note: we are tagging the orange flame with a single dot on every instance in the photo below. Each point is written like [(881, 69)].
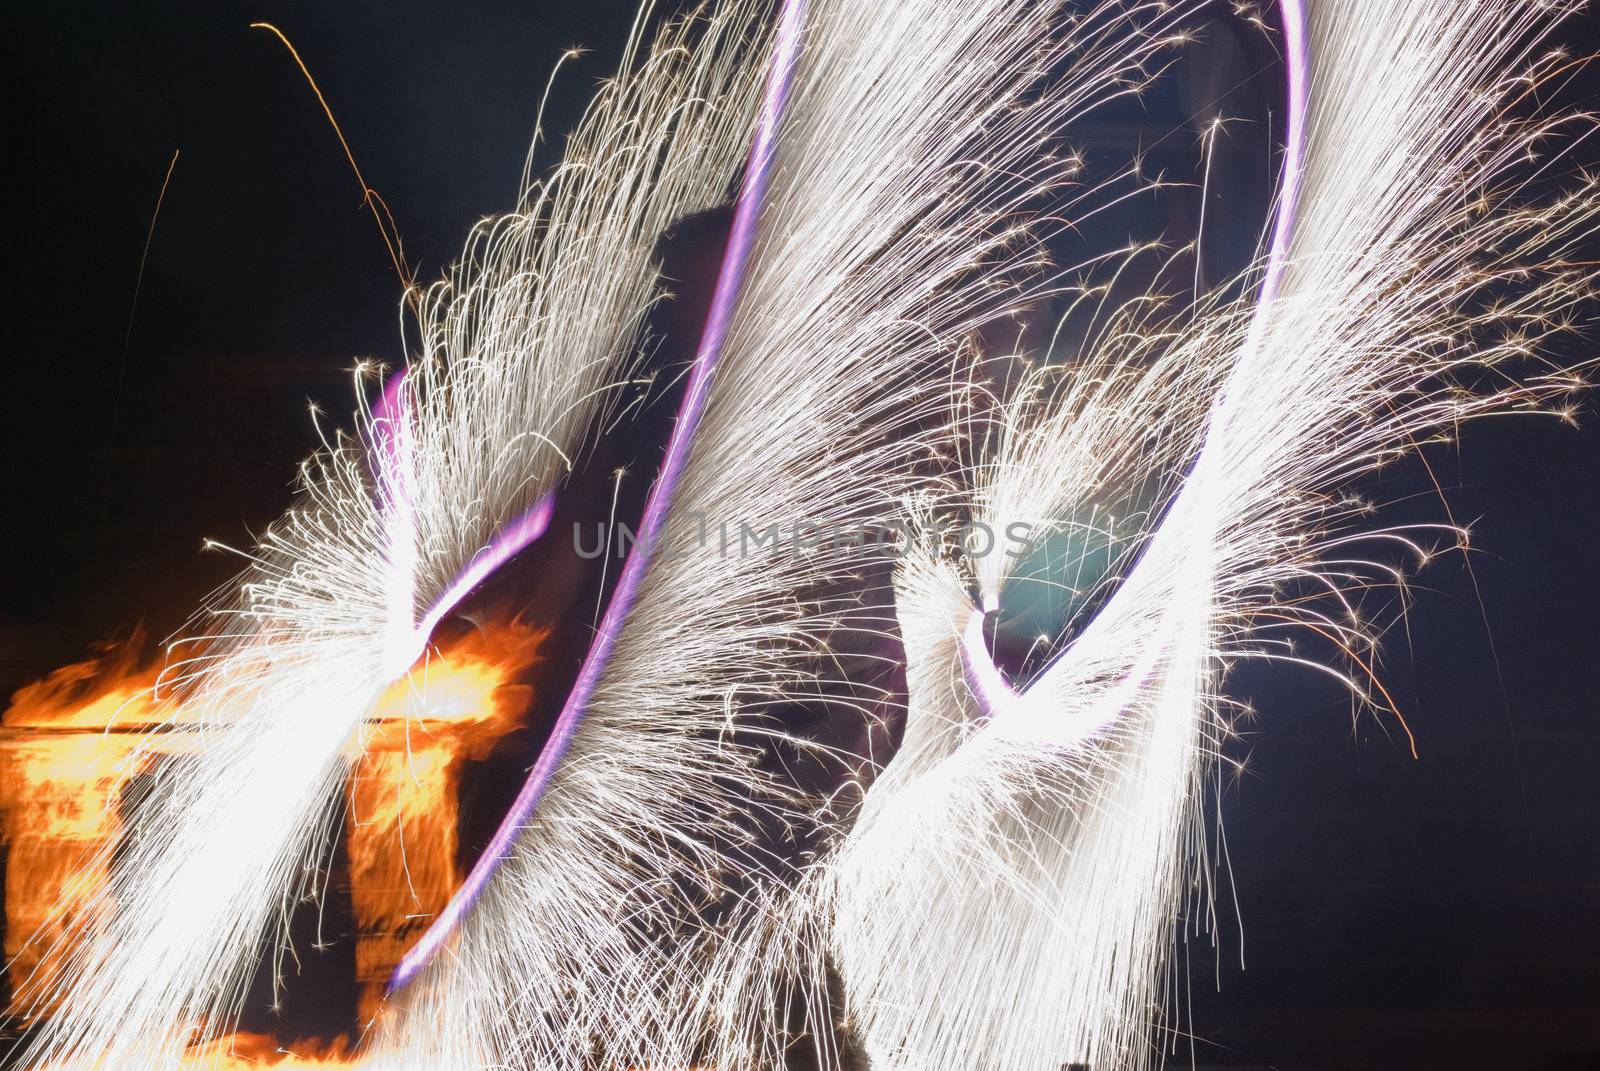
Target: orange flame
[(242, 1051), (402, 803), (62, 774), (110, 690), (70, 744)]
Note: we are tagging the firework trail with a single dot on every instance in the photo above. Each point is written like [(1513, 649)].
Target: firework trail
[(519, 353), (656, 509), (841, 344), (1008, 895), (672, 889)]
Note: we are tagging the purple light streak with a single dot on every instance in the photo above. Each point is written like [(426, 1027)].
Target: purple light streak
[(1297, 64), (390, 418), (730, 280), (508, 541)]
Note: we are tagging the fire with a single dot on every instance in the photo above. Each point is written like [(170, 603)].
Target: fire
[(403, 799), (109, 691), (239, 1052), (67, 746), (70, 746)]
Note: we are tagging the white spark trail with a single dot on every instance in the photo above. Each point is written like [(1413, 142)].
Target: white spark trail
[(643, 918), (1009, 894), (515, 359)]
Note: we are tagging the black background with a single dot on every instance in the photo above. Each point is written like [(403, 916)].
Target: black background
[(1442, 912)]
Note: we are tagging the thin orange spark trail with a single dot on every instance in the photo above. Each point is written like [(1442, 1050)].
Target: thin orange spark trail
[(369, 196)]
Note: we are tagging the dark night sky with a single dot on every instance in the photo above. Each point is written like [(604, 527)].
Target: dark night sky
[(1440, 913)]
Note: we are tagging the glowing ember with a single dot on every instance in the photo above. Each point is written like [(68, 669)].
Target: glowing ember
[(237, 1051)]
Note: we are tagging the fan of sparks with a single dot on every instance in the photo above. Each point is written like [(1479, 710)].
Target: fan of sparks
[(800, 801)]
